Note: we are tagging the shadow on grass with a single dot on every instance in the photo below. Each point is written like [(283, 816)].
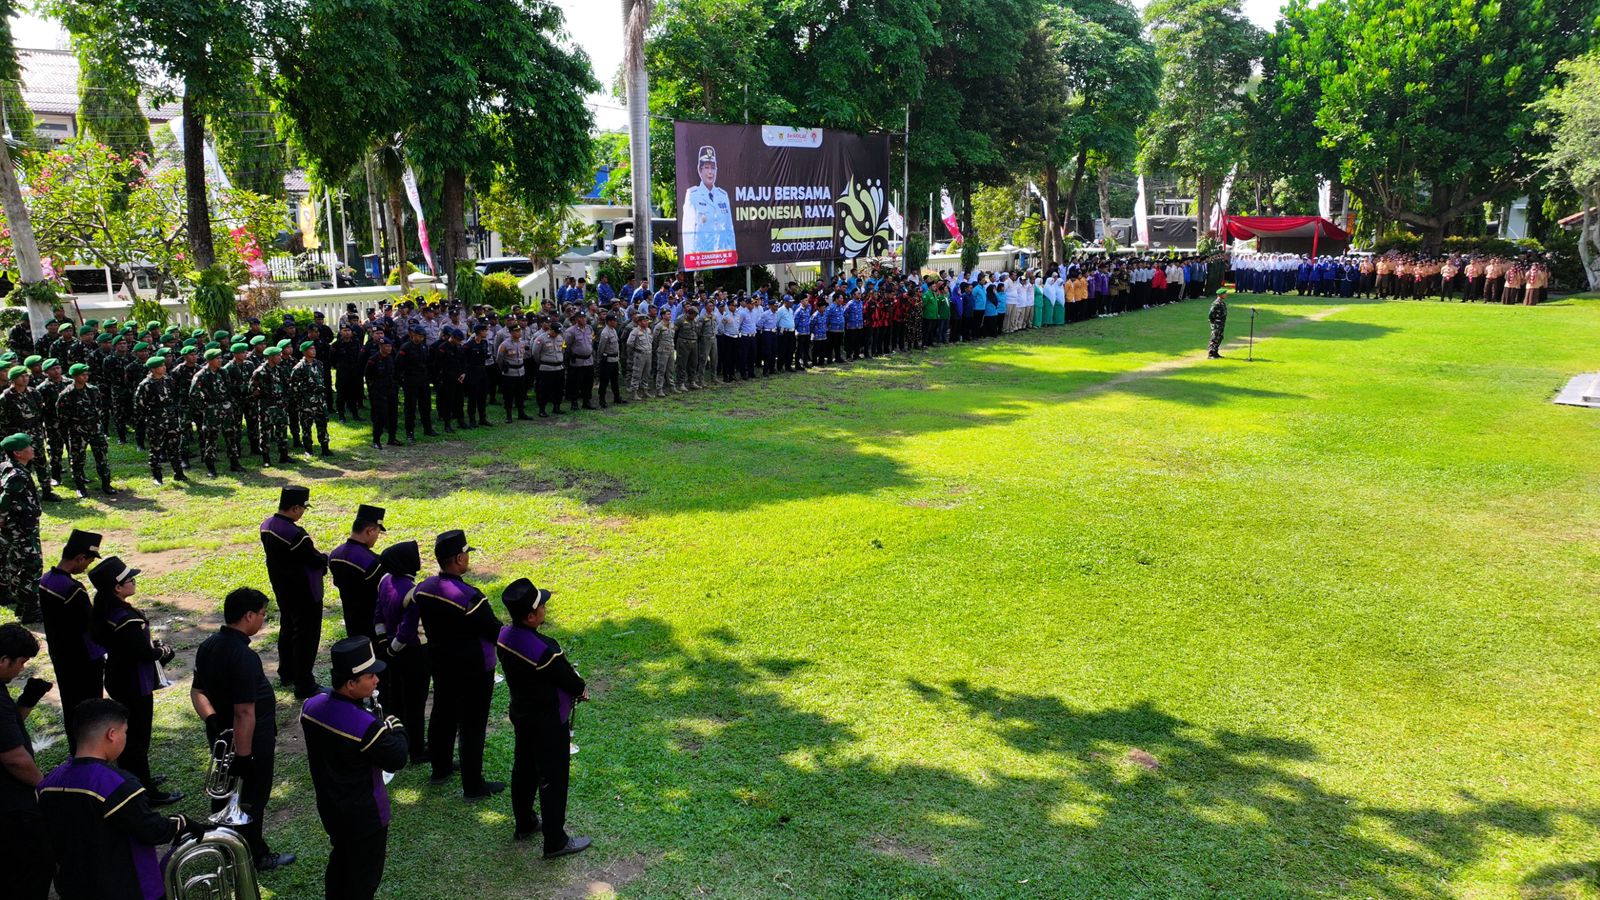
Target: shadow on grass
[(702, 772)]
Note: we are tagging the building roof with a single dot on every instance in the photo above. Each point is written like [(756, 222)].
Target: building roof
[(50, 85)]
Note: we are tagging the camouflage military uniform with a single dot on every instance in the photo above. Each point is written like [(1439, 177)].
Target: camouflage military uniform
[(1219, 318), (120, 380), (272, 417), (157, 407), (182, 376), (78, 417), (21, 562), (237, 375), (49, 392), (309, 400), (24, 411), (212, 399)]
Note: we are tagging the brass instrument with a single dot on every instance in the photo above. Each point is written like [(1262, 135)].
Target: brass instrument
[(218, 865), (377, 709)]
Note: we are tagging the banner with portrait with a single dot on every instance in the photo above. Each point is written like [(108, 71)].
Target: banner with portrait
[(757, 194)]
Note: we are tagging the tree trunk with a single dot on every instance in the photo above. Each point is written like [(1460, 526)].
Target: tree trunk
[(1202, 208), (1589, 237), (453, 202), (372, 208), (635, 17), (1103, 188), (1069, 216), (197, 208), (23, 243), (396, 220), (1052, 197), (1433, 239)]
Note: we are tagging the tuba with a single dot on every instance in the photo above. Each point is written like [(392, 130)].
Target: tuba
[(218, 865)]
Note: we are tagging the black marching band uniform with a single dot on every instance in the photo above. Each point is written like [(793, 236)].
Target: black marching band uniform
[(355, 570), (401, 643), (348, 748), (79, 663), (295, 567), (544, 688), (462, 630), (132, 666)]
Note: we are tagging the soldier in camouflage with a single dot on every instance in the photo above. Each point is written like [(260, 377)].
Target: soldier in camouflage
[(22, 410), (160, 410), (267, 405), (238, 373), (120, 377), (49, 390), (182, 375), (1218, 315), (78, 415), (308, 396), (214, 405), (21, 563)]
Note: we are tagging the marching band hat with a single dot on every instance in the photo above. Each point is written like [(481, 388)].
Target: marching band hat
[(294, 495), (452, 543), (373, 514), (521, 597), (82, 543), (353, 657), (110, 572)]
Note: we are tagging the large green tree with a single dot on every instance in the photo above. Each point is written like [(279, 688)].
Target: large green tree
[(25, 248), (1421, 107), (1198, 128), (201, 49), (108, 89), (1570, 118), (1111, 75)]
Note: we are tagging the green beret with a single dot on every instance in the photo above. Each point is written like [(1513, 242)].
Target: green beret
[(16, 372), (140, 346), (271, 351), (213, 352), (152, 326), (171, 331), (52, 363), (86, 328), (126, 330), (190, 344), (258, 340), (155, 362), (213, 345), (33, 360), (105, 337), (307, 345), (15, 442), (106, 323), (198, 333), (284, 344), (239, 348), (92, 323), (220, 336), (78, 369)]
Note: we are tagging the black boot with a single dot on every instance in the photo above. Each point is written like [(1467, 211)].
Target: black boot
[(82, 487), (105, 486), (326, 452), (233, 466), (283, 457), (155, 472), (266, 461), (211, 468), (177, 474)]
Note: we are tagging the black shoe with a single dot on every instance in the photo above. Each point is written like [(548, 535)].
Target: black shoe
[(449, 430), (574, 845), (437, 778), (419, 759), (274, 861), (211, 469), (588, 406), (51, 496), (393, 442), (377, 445), (106, 488), (326, 452), (156, 474), (523, 834), (307, 693), (487, 789), (283, 457), (83, 491), (619, 401), (164, 798), (430, 433), (179, 476)]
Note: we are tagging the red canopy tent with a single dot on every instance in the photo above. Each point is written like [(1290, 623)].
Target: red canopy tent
[(1286, 234)]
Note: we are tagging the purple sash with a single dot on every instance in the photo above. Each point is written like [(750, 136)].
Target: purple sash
[(531, 646), (349, 720)]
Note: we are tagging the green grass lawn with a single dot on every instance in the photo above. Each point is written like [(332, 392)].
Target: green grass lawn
[(1070, 614)]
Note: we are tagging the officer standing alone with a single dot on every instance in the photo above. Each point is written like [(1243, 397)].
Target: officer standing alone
[(1219, 320)]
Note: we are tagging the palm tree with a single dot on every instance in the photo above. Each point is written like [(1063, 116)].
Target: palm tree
[(23, 243), (636, 20)]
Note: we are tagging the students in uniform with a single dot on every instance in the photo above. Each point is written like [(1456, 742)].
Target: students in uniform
[(230, 693), (349, 746), (461, 632), (544, 688)]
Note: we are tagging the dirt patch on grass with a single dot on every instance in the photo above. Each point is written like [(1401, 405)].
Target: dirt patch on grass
[(1143, 759), (590, 882), (884, 845), (743, 414), (606, 491), (163, 562)]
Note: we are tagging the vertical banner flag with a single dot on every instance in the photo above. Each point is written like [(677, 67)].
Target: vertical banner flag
[(307, 219), (897, 222), (947, 211), (410, 180), (1221, 209), (758, 194), (1141, 218), (1325, 198)]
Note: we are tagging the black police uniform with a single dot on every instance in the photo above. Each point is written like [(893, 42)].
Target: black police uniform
[(382, 393), (229, 672), (475, 360), (446, 363), (411, 368), (295, 567), (345, 361), (348, 747)]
